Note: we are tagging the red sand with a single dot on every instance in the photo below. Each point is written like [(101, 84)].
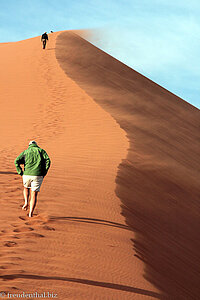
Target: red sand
[(111, 135)]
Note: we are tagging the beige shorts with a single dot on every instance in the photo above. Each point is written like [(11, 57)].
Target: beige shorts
[(33, 182)]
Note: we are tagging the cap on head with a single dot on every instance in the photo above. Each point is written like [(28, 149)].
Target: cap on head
[(32, 142)]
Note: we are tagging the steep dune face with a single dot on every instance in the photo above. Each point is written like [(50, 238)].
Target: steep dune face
[(158, 182), (77, 245)]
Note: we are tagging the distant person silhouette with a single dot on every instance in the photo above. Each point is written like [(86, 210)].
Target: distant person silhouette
[(44, 39)]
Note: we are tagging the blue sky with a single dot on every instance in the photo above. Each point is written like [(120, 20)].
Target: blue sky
[(158, 38)]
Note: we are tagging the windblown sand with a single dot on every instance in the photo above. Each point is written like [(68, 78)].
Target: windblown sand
[(118, 213)]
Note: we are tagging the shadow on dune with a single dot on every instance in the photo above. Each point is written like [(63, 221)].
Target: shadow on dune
[(91, 221), (83, 281), (158, 182), (8, 172), (166, 226)]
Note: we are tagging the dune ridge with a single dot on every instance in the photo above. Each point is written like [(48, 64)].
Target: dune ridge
[(77, 245), (158, 182)]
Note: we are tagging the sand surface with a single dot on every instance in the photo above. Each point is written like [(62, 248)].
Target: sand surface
[(118, 213), (78, 244)]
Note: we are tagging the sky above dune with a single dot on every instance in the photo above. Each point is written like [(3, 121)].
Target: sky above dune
[(160, 39)]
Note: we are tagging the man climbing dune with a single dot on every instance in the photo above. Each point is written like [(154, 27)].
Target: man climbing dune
[(36, 165)]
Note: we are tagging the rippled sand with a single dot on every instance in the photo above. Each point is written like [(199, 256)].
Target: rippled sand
[(118, 213)]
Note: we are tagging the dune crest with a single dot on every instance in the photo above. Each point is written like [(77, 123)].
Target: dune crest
[(77, 245)]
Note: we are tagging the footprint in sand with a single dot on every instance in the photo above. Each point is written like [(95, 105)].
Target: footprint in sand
[(24, 218), (14, 225), (39, 218), (23, 229), (35, 222), (14, 288), (15, 237), (34, 234), (39, 221), (10, 244), (48, 228)]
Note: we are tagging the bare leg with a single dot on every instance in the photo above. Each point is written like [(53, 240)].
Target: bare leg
[(33, 202), (26, 196), (44, 44)]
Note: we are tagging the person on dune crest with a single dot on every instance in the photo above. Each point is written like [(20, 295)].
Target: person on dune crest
[(36, 165), (44, 39)]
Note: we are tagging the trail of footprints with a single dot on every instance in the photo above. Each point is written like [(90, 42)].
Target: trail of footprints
[(19, 234)]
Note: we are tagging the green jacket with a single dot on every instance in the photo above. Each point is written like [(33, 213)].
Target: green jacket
[(35, 160)]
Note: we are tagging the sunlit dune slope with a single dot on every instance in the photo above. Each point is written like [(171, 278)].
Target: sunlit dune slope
[(78, 244)]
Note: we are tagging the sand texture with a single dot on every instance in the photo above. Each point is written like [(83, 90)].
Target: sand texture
[(118, 213)]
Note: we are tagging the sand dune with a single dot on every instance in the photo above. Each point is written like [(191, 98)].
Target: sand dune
[(158, 182), (118, 213), (78, 245)]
